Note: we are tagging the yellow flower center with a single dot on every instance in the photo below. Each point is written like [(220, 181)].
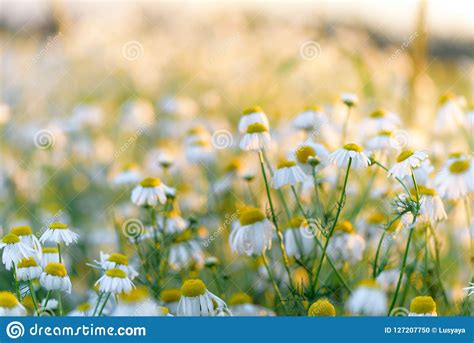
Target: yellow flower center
[(322, 307), (183, 236), (353, 147), (196, 130), (423, 304), (170, 295), (422, 190), (446, 97), (10, 238), (455, 154), (253, 109), (286, 164), (193, 288), (345, 226), (304, 152), (380, 113), (251, 215), (27, 262), (58, 226), (371, 283), (240, 298), (118, 258), (256, 128), (55, 269), (21, 231), (116, 273), (297, 221), (137, 294), (404, 155), (150, 182), (376, 218), (315, 108), (233, 165), (385, 133), (459, 167), (50, 250), (8, 300), (83, 307)]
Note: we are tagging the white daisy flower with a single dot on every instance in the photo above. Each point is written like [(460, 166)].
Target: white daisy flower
[(470, 288), (174, 222), (346, 245), (28, 269), (352, 151), (381, 141), (26, 236), (185, 251), (306, 153), (196, 300), (54, 277), (116, 261), (170, 298), (137, 302), (422, 174), (450, 115), (431, 204), (256, 138), (311, 119), (287, 173), (382, 120), (406, 161), (129, 176), (253, 115), (150, 192), (298, 240), (349, 99), (368, 299), (241, 305), (10, 306), (388, 279), (58, 233), (115, 281), (423, 306), (456, 180), (13, 250), (82, 310), (252, 235), (49, 254)]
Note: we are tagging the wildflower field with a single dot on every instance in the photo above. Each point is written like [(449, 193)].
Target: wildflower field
[(172, 160)]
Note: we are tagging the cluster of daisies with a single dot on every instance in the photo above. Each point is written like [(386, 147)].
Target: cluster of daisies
[(351, 230)]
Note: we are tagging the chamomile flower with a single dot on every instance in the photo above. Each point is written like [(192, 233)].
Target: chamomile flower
[(174, 222), (13, 250), (380, 142), (253, 115), (308, 152), (54, 277), (59, 233), (28, 269), (170, 298), (150, 192), (115, 281), (367, 299), (137, 302), (311, 119), (185, 250), (423, 306), (351, 151), (406, 161), (450, 115), (287, 173), (298, 240), (256, 138), (49, 255), (431, 204), (470, 288), (26, 236), (10, 306), (242, 305), (322, 308), (117, 261), (349, 99), (196, 300), (198, 146), (456, 180), (128, 176), (382, 120), (388, 279), (346, 245), (252, 235), (82, 310)]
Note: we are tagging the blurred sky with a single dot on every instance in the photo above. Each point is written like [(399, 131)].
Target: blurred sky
[(453, 18)]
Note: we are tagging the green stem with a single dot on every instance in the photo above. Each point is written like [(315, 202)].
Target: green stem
[(59, 253), (272, 279), (319, 205), (60, 303), (103, 305), (396, 177), (154, 225), (468, 221), (275, 222), (99, 298), (377, 253), (339, 209), (279, 192), (48, 296), (33, 296), (17, 285)]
